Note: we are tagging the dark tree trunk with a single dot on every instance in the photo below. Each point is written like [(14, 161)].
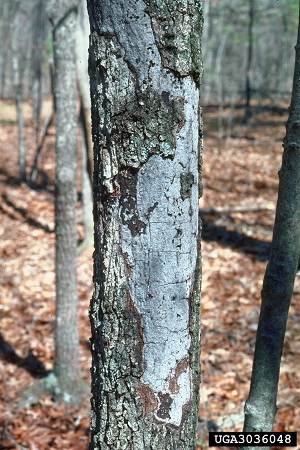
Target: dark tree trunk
[(260, 408), (145, 68)]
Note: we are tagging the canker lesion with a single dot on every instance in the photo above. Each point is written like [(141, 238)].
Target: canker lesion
[(148, 398), (181, 367), (165, 402), (161, 402), (186, 182)]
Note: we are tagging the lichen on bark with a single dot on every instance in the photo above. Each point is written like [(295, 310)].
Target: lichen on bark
[(177, 27), (135, 121)]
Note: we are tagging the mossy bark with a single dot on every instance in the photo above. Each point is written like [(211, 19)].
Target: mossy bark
[(260, 408), (147, 176)]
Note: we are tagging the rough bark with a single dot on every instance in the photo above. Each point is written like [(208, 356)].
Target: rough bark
[(145, 69), (260, 408)]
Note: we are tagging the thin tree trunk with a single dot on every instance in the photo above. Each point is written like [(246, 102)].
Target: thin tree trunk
[(82, 44), (249, 60), (47, 123), (66, 367), (219, 83), (145, 76), (37, 64), (19, 107), (260, 408), (87, 192), (64, 383), (66, 334), (18, 96), (38, 154)]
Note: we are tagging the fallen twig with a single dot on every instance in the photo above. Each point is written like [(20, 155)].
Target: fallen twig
[(35, 166), (214, 210)]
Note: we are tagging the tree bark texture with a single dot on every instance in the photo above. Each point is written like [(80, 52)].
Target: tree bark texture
[(145, 69), (260, 408), (63, 18)]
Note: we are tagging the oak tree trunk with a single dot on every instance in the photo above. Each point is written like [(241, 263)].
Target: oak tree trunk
[(145, 69)]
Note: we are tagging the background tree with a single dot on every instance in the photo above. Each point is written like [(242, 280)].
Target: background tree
[(265, 33), (37, 57), (145, 78), (260, 408), (63, 16), (18, 95), (64, 382), (82, 45), (249, 57)]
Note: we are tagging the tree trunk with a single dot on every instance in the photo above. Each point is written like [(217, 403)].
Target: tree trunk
[(82, 45), (18, 96), (145, 68), (260, 408), (249, 60), (37, 59), (66, 368), (19, 107), (87, 191)]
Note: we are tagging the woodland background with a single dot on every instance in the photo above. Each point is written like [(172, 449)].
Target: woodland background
[(241, 161)]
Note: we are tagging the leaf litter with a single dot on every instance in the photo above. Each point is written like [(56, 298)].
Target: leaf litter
[(235, 246)]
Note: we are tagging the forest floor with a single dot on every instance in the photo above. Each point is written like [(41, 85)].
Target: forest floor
[(240, 170)]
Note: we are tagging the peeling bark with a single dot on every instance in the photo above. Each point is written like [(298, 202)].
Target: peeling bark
[(147, 142)]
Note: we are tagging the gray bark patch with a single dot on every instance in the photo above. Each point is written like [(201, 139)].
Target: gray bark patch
[(163, 261)]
